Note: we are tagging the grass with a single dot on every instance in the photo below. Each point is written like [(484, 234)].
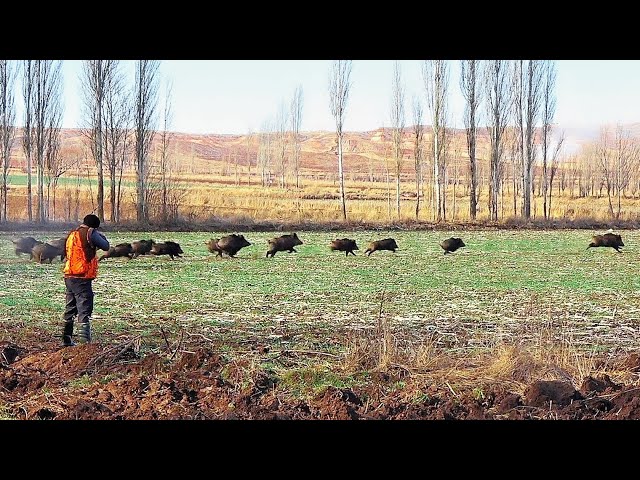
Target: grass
[(535, 291), (210, 195)]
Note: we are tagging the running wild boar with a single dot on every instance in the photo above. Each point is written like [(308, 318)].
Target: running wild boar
[(345, 245), (607, 240), (384, 244), (62, 244), (451, 244), (231, 244), (25, 244), (120, 250), (141, 247), (42, 252), (167, 248), (284, 243)]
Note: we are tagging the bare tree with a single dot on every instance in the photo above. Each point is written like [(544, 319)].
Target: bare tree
[(117, 136), (248, 154), (263, 162), (164, 163), (55, 164), (46, 99), (513, 146), (470, 76), (436, 80), (296, 123), (418, 137), (626, 157), (281, 143), (498, 104), (517, 144), (146, 100), (96, 79), (605, 158), (554, 168), (7, 127), (28, 136), (339, 86), (397, 127), (533, 93), (548, 112)]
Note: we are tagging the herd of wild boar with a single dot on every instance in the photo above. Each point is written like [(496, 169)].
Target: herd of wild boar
[(45, 252)]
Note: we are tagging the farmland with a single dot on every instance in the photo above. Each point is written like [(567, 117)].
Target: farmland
[(510, 308)]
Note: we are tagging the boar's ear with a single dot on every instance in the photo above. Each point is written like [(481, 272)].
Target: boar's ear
[(295, 234)]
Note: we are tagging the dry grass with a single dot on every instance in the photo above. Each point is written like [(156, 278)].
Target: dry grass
[(210, 195)]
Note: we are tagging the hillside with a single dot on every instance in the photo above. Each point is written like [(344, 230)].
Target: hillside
[(365, 152)]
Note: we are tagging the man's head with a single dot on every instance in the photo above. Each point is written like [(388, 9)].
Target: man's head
[(91, 221)]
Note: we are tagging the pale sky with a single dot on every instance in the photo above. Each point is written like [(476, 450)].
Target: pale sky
[(238, 96)]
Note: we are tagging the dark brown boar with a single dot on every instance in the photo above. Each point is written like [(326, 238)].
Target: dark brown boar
[(62, 244), (167, 248), (45, 252), (120, 250), (384, 244), (231, 244), (25, 245), (607, 240), (283, 243), (345, 245), (452, 244), (141, 247)]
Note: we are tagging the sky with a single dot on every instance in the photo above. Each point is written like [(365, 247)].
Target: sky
[(239, 96)]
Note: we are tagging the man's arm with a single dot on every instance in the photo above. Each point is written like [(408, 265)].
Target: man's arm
[(99, 240)]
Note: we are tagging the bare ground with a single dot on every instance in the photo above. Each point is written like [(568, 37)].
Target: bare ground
[(42, 380)]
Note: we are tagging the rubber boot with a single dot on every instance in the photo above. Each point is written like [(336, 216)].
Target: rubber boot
[(84, 333), (67, 335)]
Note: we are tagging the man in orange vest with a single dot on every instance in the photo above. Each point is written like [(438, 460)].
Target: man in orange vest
[(80, 268)]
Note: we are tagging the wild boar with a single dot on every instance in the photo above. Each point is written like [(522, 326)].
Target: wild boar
[(120, 250), (62, 244), (167, 248), (384, 244), (607, 240), (452, 244), (231, 244), (45, 252), (141, 247), (283, 243), (25, 244), (345, 245)]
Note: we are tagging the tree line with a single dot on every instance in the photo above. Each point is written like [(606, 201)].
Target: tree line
[(511, 148), (121, 117)]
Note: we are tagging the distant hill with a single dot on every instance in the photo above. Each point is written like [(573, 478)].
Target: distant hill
[(365, 152)]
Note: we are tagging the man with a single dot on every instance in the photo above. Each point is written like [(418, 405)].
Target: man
[(80, 268)]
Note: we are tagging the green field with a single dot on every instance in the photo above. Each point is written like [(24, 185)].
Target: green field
[(21, 180), (503, 287)]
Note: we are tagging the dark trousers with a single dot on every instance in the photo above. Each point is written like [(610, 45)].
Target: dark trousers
[(79, 297)]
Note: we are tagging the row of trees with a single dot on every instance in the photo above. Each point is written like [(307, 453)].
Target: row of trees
[(510, 103), (120, 123), (519, 101)]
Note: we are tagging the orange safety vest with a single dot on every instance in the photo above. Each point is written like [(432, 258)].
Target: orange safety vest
[(82, 261)]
